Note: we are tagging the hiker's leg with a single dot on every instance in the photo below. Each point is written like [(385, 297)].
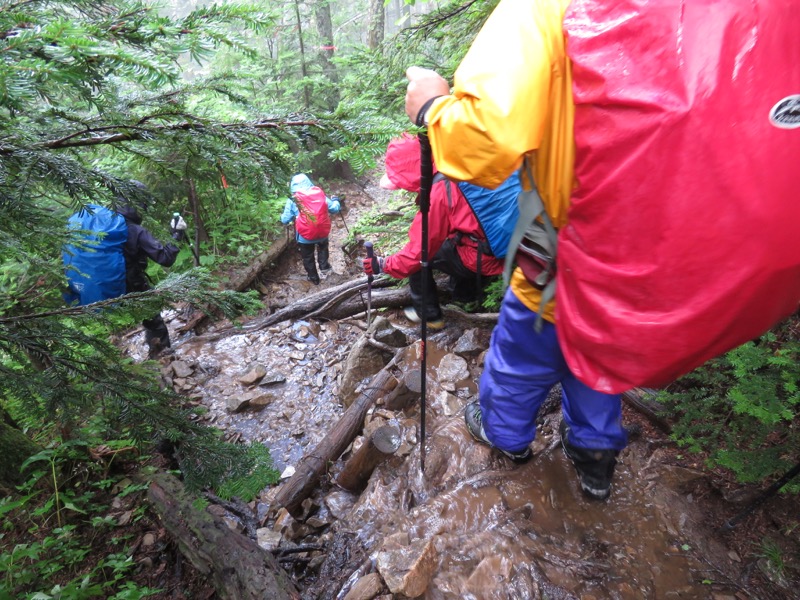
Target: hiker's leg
[(429, 305), (463, 281), (591, 434), (594, 418), (518, 373), (156, 334), (307, 253), (323, 255)]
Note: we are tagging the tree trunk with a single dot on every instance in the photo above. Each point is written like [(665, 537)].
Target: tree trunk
[(303, 68), (315, 463), (239, 568), (377, 24), (322, 11), (378, 447)]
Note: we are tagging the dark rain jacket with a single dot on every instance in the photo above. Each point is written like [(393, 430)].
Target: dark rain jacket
[(140, 246)]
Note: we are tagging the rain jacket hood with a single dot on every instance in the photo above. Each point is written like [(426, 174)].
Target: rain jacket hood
[(403, 164), (300, 182)]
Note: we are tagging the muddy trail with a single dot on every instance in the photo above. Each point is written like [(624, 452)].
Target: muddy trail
[(473, 524)]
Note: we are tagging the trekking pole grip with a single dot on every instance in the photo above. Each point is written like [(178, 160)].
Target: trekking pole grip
[(370, 255)]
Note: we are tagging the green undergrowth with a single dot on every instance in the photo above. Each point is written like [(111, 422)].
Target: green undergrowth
[(742, 410)]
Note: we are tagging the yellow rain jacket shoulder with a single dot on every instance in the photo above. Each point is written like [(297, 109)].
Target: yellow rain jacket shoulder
[(512, 96)]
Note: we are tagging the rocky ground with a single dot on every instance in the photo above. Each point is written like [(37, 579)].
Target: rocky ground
[(472, 524)]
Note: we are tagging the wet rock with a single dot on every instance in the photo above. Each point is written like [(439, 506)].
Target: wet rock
[(340, 503), (288, 472), (268, 539), (366, 588), (492, 572), (388, 334), (472, 342), (235, 404), (449, 403), (297, 355), (149, 539), (365, 360), (407, 569), (453, 368), (252, 375), (181, 368), (272, 378), (285, 524), (260, 401)]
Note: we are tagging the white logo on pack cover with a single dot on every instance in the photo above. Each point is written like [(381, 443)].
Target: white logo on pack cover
[(786, 113)]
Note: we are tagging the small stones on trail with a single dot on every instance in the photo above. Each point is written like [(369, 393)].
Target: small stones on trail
[(181, 368)]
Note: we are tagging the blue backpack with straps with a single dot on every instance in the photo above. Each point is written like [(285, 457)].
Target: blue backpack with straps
[(497, 210), (96, 269)]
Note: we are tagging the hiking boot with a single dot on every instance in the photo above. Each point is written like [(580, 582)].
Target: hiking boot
[(474, 421), (595, 467), (314, 280), (411, 314)]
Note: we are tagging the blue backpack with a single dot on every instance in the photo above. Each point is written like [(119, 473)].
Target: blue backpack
[(497, 211), (96, 270)]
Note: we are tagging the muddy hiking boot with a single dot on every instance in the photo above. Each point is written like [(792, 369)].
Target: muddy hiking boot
[(410, 313), (474, 421), (595, 467)]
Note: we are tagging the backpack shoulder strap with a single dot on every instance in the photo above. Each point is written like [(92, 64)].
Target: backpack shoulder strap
[(532, 214), (440, 177)]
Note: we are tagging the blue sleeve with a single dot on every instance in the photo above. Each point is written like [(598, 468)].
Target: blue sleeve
[(333, 205), (290, 212)]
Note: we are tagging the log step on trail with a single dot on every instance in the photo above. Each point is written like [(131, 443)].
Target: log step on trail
[(312, 466)]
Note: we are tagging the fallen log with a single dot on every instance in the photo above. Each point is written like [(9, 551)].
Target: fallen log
[(642, 400), (238, 567), (243, 280), (407, 392), (311, 467), (383, 442)]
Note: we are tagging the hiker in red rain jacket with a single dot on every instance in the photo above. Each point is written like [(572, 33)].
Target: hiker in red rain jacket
[(453, 238)]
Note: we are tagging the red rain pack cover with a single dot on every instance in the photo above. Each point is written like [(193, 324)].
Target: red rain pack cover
[(313, 222), (684, 229)]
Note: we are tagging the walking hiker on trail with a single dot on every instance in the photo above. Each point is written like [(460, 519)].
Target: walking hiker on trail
[(480, 133), (310, 209), (651, 151), (116, 264), (454, 235), (140, 246)]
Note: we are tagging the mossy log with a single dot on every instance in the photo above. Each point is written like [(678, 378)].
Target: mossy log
[(15, 448), (238, 567)]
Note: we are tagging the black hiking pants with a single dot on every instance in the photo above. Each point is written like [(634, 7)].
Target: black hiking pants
[(307, 253), (463, 282)]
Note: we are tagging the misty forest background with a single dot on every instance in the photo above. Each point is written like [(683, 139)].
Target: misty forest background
[(214, 107)]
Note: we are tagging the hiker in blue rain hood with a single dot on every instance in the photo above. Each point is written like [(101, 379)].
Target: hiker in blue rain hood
[(310, 209)]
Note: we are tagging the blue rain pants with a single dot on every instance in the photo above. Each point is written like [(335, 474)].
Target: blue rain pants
[(520, 369)]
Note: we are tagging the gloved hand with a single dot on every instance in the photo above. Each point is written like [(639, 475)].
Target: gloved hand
[(373, 266)]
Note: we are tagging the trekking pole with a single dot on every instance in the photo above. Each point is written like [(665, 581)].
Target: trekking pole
[(768, 493), (425, 182), (344, 222), (370, 254)]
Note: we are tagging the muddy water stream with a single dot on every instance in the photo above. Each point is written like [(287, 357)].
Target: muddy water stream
[(486, 528)]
